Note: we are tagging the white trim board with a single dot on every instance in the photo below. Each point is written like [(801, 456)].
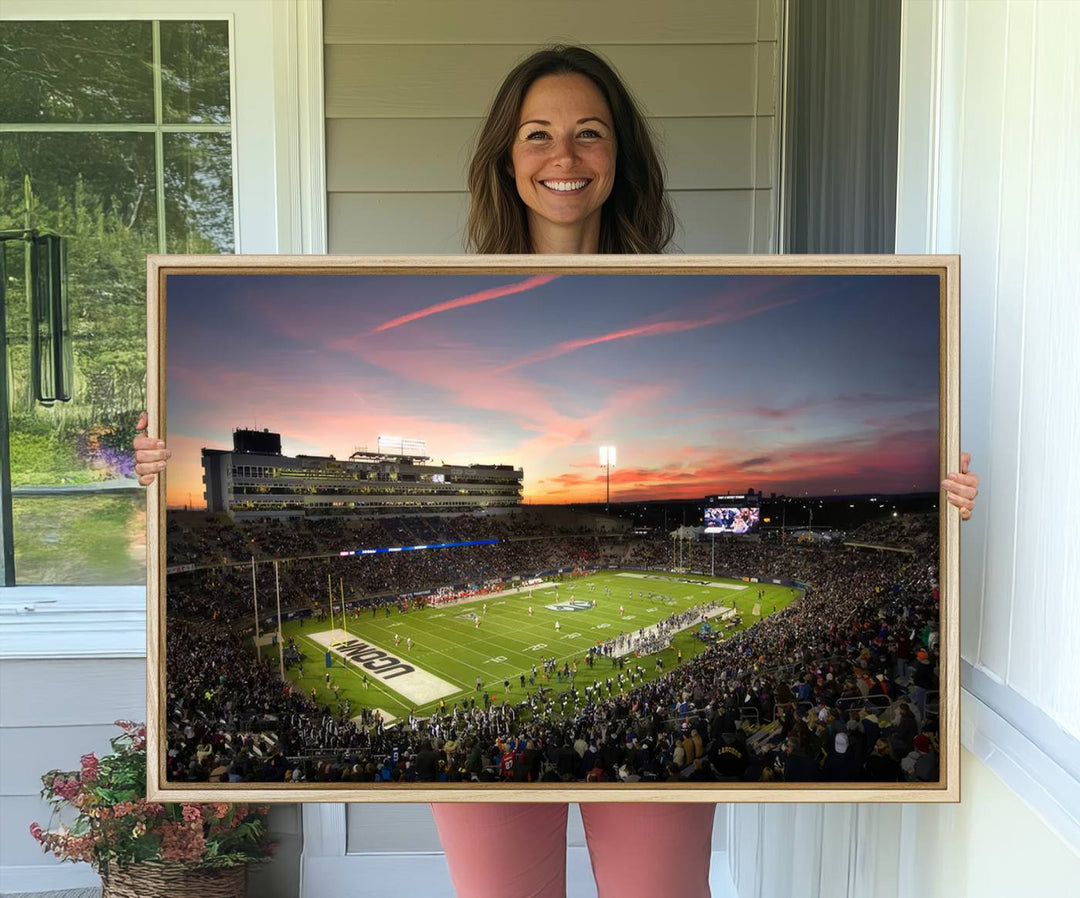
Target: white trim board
[(1025, 766), (40, 622)]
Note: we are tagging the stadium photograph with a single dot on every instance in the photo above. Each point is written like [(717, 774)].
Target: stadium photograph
[(500, 531)]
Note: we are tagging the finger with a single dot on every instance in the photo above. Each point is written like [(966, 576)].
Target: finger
[(148, 445), (960, 501), (965, 461), (965, 514), (969, 483), (143, 420), (966, 479), (960, 489), (146, 479), (143, 456)]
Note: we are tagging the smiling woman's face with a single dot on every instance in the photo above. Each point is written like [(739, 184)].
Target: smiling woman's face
[(563, 159)]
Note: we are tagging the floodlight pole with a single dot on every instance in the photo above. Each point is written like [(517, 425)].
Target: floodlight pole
[(280, 634), (607, 506), (607, 459)]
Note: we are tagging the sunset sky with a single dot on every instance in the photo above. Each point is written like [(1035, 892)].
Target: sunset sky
[(704, 383)]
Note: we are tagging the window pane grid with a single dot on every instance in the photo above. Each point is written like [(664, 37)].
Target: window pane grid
[(173, 93)]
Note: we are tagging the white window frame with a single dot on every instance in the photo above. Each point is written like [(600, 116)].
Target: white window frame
[(279, 192)]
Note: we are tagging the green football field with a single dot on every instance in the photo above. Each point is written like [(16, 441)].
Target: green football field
[(450, 651)]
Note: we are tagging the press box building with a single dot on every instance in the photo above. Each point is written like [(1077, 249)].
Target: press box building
[(255, 481)]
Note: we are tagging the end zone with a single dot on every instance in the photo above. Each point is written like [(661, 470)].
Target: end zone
[(397, 674)]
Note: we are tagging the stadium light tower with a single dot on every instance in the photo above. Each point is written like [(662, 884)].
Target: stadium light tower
[(607, 459)]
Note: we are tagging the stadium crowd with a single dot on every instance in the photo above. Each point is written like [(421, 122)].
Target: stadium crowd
[(838, 686), (310, 563)]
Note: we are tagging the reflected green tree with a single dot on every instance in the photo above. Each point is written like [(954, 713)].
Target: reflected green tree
[(99, 189)]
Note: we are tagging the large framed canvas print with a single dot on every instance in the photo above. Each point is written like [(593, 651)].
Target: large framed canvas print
[(554, 529)]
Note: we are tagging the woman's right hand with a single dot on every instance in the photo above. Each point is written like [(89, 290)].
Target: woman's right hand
[(150, 454)]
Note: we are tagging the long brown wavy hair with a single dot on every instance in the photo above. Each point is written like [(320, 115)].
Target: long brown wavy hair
[(637, 216)]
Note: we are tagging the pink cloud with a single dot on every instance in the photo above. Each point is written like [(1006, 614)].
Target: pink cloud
[(660, 328), (471, 299)]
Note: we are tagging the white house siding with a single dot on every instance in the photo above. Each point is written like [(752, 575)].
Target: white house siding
[(408, 83)]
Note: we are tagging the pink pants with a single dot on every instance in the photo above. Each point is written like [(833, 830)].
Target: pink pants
[(519, 850)]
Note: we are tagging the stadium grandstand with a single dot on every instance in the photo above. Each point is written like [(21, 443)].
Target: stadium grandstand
[(255, 481), (540, 647)]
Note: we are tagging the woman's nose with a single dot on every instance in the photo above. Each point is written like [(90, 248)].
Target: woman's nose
[(564, 150)]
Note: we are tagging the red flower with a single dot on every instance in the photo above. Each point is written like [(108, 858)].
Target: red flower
[(65, 788), (219, 809), (89, 768), (192, 813), (36, 831), (181, 842)]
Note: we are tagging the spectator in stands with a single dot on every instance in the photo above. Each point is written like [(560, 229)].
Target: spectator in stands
[(880, 767), (903, 732), (840, 765), (924, 680)]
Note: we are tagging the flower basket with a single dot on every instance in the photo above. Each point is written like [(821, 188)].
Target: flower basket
[(173, 881), (146, 848)]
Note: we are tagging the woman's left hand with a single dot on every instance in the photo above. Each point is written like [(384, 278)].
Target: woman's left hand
[(962, 488)]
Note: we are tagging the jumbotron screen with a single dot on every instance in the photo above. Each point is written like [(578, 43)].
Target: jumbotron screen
[(732, 519)]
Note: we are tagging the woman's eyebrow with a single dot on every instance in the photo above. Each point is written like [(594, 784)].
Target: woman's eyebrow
[(580, 121)]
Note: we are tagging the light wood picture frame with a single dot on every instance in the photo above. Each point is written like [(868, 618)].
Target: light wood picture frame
[(776, 386)]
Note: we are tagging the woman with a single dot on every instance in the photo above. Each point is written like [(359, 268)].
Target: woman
[(565, 164)]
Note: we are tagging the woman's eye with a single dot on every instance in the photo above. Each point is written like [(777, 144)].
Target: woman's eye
[(536, 135), (589, 132)]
